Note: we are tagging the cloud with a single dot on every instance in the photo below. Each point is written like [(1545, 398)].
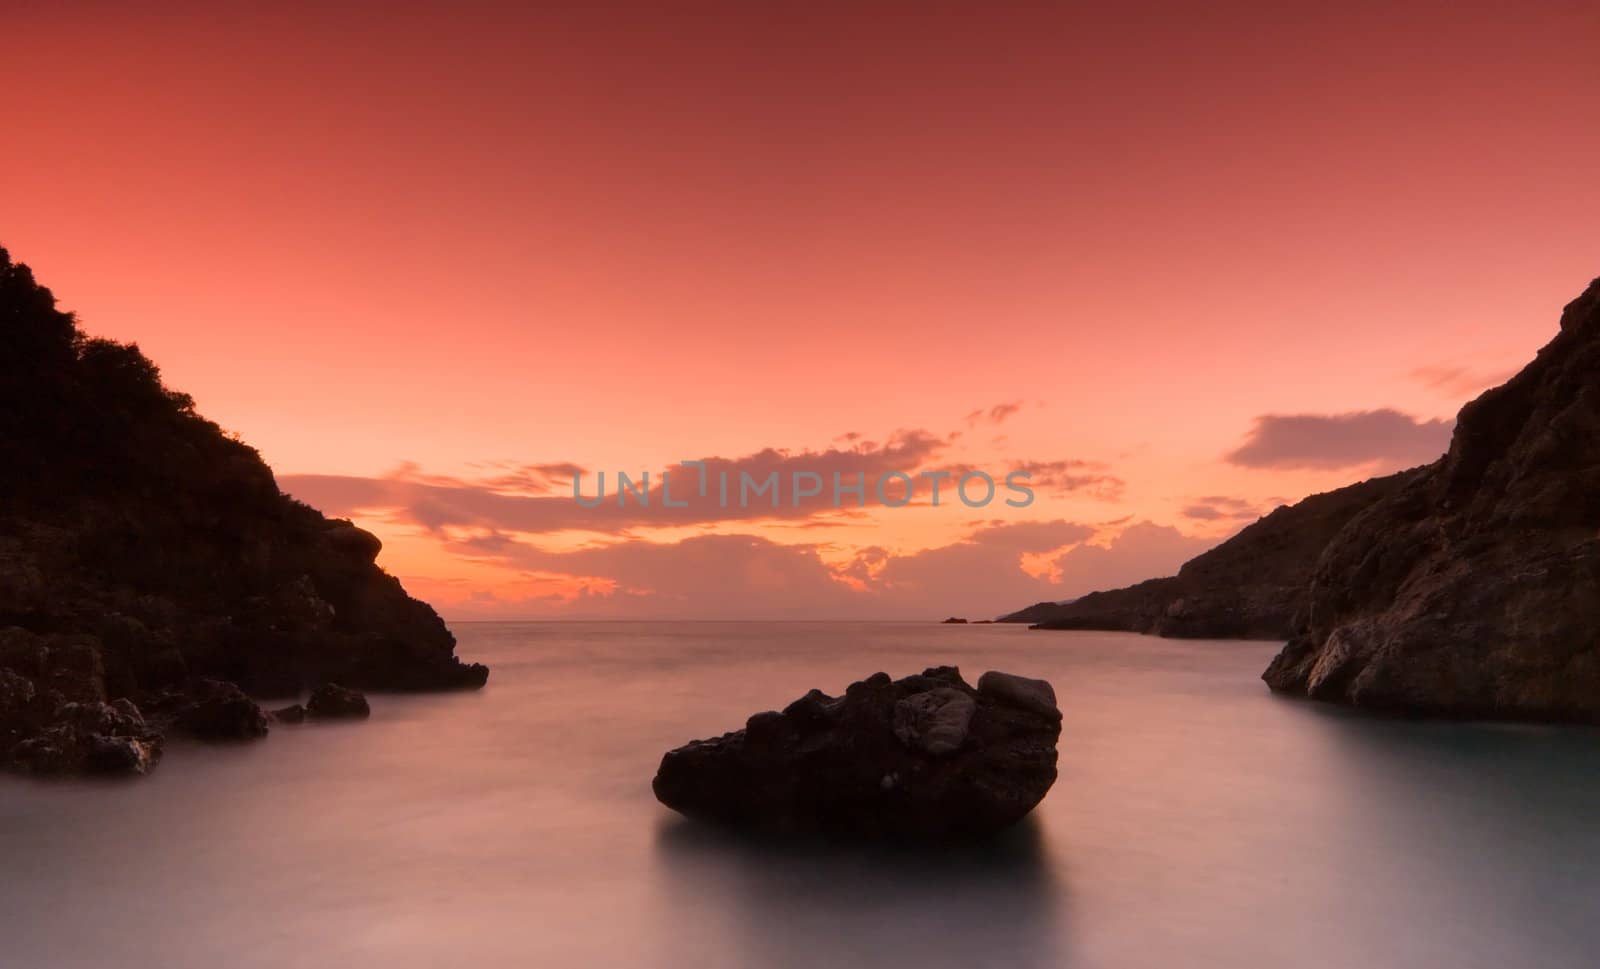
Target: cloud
[(502, 525), (745, 576), (705, 576), (1332, 441), (556, 476), (998, 414), (1221, 508), (1457, 382), (501, 501), (1066, 477), (538, 498), (1141, 551), (1031, 536)]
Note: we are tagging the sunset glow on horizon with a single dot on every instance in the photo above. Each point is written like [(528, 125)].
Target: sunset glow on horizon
[(432, 265)]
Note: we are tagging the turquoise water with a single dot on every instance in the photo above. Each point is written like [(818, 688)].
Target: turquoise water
[(1198, 821)]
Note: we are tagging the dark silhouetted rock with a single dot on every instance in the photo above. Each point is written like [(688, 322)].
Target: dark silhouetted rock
[(955, 621), (221, 711), (295, 713), (348, 539), (143, 550), (1020, 691), (1474, 590), (331, 701), (924, 757), (83, 737), (16, 695), (119, 755), (1255, 585)]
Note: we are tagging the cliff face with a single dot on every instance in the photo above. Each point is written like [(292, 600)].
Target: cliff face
[(143, 552), (1475, 589), (1253, 586)]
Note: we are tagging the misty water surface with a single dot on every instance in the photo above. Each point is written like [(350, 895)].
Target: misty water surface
[(1198, 821)]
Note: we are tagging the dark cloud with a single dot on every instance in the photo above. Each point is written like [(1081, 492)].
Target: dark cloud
[(1330, 441)]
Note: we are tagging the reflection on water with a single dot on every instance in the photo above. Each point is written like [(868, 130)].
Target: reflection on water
[(786, 903), (1198, 821)]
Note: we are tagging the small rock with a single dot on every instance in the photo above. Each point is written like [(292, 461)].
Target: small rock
[(358, 543), (105, 738), (221, 711), (16, 693), (52, 750), (331, 700), (121, 755), (1019, 691), (290, 714)]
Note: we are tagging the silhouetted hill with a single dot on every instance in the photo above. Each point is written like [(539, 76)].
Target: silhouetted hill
[(1253, 586), (145, 555), (1474, 590)]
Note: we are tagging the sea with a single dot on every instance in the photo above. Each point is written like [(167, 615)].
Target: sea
[(1198, 821)]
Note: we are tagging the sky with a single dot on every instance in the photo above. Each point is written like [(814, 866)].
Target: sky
[(1180, 262)]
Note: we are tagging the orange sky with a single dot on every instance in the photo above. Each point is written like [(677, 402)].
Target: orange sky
[(406, 253)]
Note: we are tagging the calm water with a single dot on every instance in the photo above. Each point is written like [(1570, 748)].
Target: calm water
[(1198, 821)]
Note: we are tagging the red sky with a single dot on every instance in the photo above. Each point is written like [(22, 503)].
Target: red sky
[(410, 254)]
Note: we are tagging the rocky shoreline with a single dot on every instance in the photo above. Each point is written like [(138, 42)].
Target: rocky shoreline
[(153, 577), (1474, 591), (1468, 588)]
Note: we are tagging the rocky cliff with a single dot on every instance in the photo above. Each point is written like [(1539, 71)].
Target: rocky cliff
[(1474, 590), (150, 569), (1256, 585)]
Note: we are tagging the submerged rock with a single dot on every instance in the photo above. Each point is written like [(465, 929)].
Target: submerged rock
[(1475, 590), (924, 757)]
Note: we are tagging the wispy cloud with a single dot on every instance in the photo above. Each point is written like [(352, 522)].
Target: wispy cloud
[(1220, 508), (1090, 478), (1458, 382), (998, 414)]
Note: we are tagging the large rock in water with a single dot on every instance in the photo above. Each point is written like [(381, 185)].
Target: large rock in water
[(1256, 585), (1475, 590), (146, 556), (924, 757)]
